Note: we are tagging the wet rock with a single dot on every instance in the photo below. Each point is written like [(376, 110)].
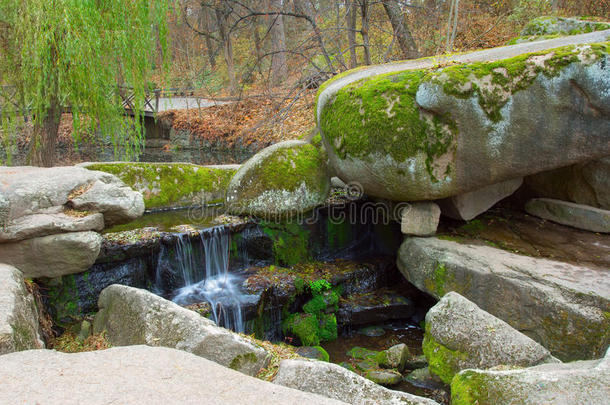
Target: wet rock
[(384, 377), (460, 335), (372, 331), (395, 357), (53, 255), (420, 219), (135, 375), (422, 378), (469, 205), (586, 183), (313, 352), (333, 381), (361, 353), (414, 131), (131, 316), (284, 179), (373, 308), (580, 382), (416, 362), (567, 213), (19, 328), (561, 306)]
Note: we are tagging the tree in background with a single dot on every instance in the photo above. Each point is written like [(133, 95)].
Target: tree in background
[(76, 55)]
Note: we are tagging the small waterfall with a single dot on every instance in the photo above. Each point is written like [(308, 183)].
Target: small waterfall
[(210, 279)]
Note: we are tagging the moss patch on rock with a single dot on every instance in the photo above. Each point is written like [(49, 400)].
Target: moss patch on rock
[(563, 26), (166, 185), (442, 361)]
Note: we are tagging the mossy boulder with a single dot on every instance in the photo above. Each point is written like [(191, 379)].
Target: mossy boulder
[(170, 185), (580, 382), (284, 179), (564, 307), (437, 127), (563, 26), (460, 335)]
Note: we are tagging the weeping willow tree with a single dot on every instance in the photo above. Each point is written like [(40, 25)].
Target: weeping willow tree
[(79, 55)]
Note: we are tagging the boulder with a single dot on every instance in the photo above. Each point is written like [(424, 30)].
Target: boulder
[(580, 382), (571, 214), (286, 178), (586, 183), (460, 335), (170, 185), (132, 376), (53, 255), (36, 190), (395, 357), (131, 316), (420, 219), (19, 328), (562, 26), (31, 226), (469, 205), (561, 306), (415, 131), (333, 381), (384, 377)]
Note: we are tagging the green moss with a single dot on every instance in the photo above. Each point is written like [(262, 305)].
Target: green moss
[(380, 114), (442, 361), (290, 242), (322, 302), (63, 296), (338, 234), (303, 326), (324, 356), (531, 38), (469, 387), (171, 184), (327, 327), (23, 337), (241, 360), (361, 353), (439, 281)]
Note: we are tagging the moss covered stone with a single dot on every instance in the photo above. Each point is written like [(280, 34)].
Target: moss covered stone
[(165, 185), (563, 26), (434, 130), (442, 361), (284, 179)]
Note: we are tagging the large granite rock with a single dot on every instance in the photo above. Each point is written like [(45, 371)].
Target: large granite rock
[(571, 214), (561, 306), (35, 190), (31, 226), (19, 328), (131, 316), (333, 381), (460, 335), (53, 255), (469, 205), (284, 179), (413, 131), (132, 376), (585, 183), (170, 185), (580, 382)]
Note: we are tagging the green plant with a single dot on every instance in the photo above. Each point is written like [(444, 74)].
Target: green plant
[(318, 286)]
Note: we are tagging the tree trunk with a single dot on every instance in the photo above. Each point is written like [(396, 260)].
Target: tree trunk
[(351, 32), (279, 70), (401, 31), (44, 141), (222, 15), (364, 31), (205, 24)]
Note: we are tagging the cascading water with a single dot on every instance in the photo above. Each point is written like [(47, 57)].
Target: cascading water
[(210, 280)]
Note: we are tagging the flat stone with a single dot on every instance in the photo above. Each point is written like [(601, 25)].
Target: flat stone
[(384, 377), (373, 308), (469, 205), (580, 382), (561, 306), (460, 335), (571, 214), (131, 316), (333, 381), (135, 375), (53, 255), (19, 328), (31, 226), (420, 219)]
